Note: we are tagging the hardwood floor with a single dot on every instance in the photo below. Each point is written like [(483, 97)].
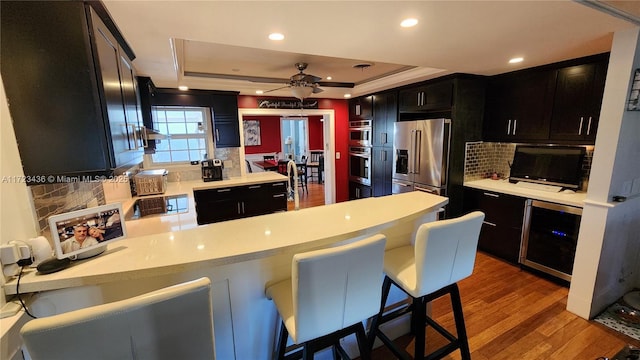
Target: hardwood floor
[(314, 197), (513, 314)]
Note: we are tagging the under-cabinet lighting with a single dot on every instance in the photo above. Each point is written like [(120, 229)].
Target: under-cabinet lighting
[(276, 36), (183, 88), (259, 92), (516, 60), (409, 22)]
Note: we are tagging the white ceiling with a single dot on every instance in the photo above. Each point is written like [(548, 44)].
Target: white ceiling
[(477, 37)]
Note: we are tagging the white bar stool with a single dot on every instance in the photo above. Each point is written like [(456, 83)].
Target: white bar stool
[(330, 292), (171, 323), (443, 253)]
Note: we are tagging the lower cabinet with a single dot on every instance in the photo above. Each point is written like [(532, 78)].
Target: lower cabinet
[(235, 202), (359, 191), (502, 227)]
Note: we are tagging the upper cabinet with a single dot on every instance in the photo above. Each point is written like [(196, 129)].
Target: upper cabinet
[(578, 98), (361, 108), (385, 114), (518, 106), (69, 82), (558, 102), (432, 97)]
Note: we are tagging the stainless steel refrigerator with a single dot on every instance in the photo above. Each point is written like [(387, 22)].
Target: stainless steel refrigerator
[(421, 156)]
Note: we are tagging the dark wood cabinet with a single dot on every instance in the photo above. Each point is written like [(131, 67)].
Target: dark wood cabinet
[(577, 102), (557, 103), (235, 202), (432, 97), (518, 106), (361, 108), (385, 114), (225, 121), (72, 104), (501, 232), (359, 191)]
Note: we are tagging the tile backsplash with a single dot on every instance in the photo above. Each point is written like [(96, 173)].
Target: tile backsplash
[(485, 158)]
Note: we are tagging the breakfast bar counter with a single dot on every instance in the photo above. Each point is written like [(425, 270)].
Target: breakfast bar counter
[(239, 256)]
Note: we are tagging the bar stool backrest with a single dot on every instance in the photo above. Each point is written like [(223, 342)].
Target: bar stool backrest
[(336, 287), (445, 251), (170, 323)]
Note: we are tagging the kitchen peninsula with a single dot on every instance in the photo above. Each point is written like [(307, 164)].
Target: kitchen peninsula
[(239, 257)]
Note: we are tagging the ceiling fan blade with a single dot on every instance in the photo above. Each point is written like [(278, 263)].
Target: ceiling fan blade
[(257, 79), (268, 91), (317, 90), (336, 84), (305, 78)]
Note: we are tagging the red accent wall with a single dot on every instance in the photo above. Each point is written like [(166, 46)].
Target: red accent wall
[(270, 134), (341, 109)]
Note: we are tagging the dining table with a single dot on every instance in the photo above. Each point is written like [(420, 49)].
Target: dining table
[(267, 165)]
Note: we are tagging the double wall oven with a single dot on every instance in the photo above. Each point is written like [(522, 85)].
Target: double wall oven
[(360, 134)]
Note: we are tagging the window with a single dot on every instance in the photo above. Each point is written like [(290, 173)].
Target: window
[(188, 132)]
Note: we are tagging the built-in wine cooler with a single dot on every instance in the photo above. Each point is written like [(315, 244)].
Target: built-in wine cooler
[(550, 238)]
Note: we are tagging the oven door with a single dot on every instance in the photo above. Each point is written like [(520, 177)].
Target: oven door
[(360, 165), (360, 136)]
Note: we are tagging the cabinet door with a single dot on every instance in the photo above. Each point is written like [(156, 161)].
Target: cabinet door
[(431, 97), (382, 170), (226, 134), (278, 199), (578, 98), (214, 205), (358, 191), (502, 227), (518, 107), (361, 108), (255, 200), (385, 114)]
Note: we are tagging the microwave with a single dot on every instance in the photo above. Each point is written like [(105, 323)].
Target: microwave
[(360, 133)]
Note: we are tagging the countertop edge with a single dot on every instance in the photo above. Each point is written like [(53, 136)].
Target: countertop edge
[(505, 187)]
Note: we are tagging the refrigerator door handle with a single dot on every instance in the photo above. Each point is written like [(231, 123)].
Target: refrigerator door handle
[(416, 150), (412, 155)]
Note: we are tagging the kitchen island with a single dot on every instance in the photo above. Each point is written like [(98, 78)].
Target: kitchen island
[(239, 257)]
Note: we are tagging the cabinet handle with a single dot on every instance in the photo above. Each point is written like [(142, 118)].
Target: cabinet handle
[(580, 126), (223, 190), (279, 195), (488, 223), (384, 138), (509, 127), (418, 101), (492, 195), (423, 98), (515, 124), (145, 137), (217, 135), (254, 187), (238, 208), (135, 137), (243, 207), (589, 126)]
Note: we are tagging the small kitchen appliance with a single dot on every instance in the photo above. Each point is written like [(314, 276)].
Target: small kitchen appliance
[(211, 170), (151, 182)]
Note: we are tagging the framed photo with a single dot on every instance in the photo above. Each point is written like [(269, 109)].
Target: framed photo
[(634, 95), (251, 132)]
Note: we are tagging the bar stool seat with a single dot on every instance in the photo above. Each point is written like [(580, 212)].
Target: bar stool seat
[(330, 292), (442, 254)]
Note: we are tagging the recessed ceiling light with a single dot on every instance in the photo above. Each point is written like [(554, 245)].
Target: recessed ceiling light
[(259, 92), (409, 22), (516, 60), (347, 95), (329, 78), (183, 88), (276, 36)]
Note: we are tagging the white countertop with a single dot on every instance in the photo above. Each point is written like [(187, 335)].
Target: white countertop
[(231, 241), (505, 187)]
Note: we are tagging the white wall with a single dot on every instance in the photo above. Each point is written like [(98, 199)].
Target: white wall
[(17, 221), (607, 259)]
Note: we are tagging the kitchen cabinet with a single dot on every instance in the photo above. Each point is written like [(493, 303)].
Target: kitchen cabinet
[(385, 114), (361, 108), (577, 102), (359, 191), (518, 106), (225, 121), (235, 202), (557, 103), (68, 78), (501, 232), (431, 97)]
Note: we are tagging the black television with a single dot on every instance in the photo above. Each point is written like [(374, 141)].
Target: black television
[(549, 165)]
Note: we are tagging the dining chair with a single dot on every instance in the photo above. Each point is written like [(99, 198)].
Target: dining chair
[(171, 323), (443, 253), (302, 173), (249, 169), (315, 158)]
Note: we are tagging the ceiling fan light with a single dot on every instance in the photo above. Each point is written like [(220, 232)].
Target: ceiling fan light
[(301, 92)]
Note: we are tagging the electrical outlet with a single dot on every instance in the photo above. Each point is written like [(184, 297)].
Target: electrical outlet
[(337, 155), (635, 188), (626, 188)]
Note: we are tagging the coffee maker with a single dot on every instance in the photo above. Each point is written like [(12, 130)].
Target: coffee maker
[(211, 170)]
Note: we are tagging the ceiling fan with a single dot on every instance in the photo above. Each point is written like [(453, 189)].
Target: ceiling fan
[(303, 85)]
